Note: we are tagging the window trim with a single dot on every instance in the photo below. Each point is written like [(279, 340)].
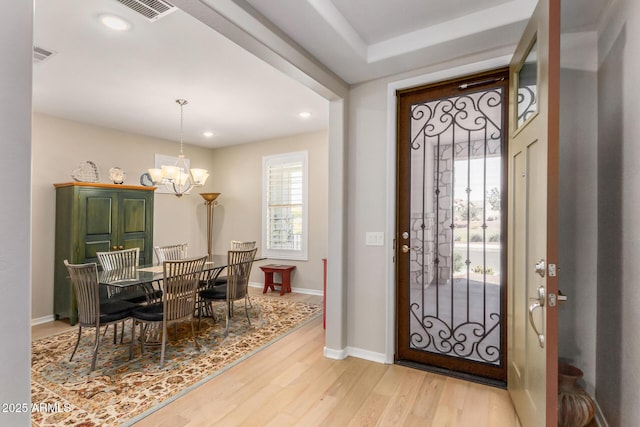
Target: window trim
[(278, 159)]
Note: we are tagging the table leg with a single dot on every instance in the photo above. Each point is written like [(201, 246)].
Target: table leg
[(268, 281), (286, 284)]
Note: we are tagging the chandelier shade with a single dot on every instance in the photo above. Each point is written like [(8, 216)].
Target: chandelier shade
[(178, 178)]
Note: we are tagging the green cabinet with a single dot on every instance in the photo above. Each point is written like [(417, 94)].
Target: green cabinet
[(93, 217)]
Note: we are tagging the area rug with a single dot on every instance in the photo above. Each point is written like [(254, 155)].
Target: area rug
[(119, 390)]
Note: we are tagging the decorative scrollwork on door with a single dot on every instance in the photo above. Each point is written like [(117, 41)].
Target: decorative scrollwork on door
[(456, 148)]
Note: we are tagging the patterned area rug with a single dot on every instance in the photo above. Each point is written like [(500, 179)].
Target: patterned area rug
[(119, 389)]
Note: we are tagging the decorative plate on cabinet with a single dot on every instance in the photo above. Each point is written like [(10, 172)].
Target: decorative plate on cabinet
[(86, 172), (117, 175), (145, 179)]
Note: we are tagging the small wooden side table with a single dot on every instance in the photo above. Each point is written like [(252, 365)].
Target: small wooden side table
[(284, 270)]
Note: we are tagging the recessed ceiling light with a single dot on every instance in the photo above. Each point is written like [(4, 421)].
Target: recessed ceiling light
[(207, 134), (115, 22), (305, 114)]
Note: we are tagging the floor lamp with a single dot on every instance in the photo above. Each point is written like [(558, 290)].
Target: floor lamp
[(210, 201)]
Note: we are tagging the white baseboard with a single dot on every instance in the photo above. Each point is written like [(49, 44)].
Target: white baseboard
[(367, 355), (41, 320), (331, 353), (340, 354), (297, 290)]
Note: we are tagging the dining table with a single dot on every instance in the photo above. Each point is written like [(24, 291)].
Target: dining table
[(144, 276)]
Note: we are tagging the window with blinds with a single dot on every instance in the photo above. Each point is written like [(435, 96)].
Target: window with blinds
[(285, 206)]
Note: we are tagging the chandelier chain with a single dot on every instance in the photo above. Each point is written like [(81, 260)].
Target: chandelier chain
[(182, 103)]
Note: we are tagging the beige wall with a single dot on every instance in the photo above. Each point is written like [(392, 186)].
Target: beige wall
[(237, 175), (59, 146), (578, 220), (618, 269)]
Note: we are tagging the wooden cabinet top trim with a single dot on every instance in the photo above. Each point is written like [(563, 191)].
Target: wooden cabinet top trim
[(102, 185)]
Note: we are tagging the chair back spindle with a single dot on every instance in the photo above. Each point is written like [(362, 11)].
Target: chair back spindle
[(170, 252), (119, 260), (237, 245), (180, 282)]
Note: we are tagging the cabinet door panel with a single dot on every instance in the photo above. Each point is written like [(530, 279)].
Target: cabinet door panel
[(133, 215), (135, 223), (90, 249), (135, 242), (99, 212)]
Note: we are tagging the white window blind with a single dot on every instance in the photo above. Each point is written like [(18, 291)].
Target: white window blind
[(285, 206)]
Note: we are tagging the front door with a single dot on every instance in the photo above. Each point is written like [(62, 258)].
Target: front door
[(533, 219), (450, 231)]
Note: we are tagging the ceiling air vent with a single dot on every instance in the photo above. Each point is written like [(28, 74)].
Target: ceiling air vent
[(40, 54), (150, 9)]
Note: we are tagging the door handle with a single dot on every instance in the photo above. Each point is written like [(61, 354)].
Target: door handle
[(562, 298), (533, 307), (406, 248), (541, 268)]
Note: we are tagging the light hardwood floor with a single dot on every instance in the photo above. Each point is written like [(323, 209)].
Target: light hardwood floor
[(291, 383)]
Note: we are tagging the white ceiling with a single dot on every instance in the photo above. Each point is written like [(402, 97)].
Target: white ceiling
[(130, 80)]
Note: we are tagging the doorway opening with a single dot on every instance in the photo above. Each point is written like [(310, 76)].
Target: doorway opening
[(451, 252)]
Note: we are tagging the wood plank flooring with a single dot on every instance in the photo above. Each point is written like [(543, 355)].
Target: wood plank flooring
[(291, 383)]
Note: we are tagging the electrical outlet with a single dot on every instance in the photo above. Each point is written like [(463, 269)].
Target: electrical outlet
[(374, 238)]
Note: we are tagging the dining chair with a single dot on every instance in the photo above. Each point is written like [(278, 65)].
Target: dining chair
[(180, 283), (126, 260), (91, 312), (239, 263), (170, 252), (222, 280), (235, 245)]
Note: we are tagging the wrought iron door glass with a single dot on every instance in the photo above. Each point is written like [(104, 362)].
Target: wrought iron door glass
[(455, 295)]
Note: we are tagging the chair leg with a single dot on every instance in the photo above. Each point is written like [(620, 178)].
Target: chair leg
[(77, 342), (193, 332), (226, 329), (142, 338), (164, 341), (95, 350), (133, 337), (246, 309), (122, 334)]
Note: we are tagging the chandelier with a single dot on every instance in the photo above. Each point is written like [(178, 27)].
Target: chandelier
[(179, 178)]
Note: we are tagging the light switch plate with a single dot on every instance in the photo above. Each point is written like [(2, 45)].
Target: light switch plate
[(374, 238)]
